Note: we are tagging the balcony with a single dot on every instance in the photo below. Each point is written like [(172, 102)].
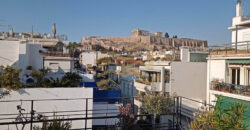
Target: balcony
[(242, 48), (141, 85), (230, 88)]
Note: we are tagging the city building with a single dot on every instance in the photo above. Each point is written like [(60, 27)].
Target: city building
[(240, 27), (21, 55), (156, 41), (88, 58), (114, 72), (228, 71), (60, 63), (127, 86), (51, 42), (175, 79), (229, 76)]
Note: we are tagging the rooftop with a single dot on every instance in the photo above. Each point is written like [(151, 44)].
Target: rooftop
[(241, 49)]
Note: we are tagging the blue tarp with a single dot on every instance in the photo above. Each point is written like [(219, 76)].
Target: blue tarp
[(88, 84), (103, 95)]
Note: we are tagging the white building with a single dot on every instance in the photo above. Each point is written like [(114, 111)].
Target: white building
[(229, 77), (175, 78), (60, 64), (89, 58), (240, 27), (127, 86), (114, 72), (21, 55), (228, 72)]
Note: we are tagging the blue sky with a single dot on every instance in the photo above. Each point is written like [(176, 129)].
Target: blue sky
[(199, 19)]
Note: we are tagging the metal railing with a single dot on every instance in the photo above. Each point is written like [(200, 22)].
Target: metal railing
[(230, 88), (34, 114), (242, 47), (246, 17)]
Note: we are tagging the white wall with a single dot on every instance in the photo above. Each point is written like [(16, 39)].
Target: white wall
[(216, 69), (243, 35), (59, 64), (185, 57), (90, 58), (21, 55), (189, 80), (48, 106), (189, 77), (9, 52), (87, 77), (35, 58), (127, 86), (29, 56)]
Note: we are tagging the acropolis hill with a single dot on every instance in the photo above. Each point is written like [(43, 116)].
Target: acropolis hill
[(138, 36)]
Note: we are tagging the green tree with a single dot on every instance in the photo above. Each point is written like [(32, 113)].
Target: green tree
[(105, 84), (40, 79), (156, 104), (166, 35), (72, 47), (155, 48), (110, 49), (230, 118), (9, 78), (70, 80)]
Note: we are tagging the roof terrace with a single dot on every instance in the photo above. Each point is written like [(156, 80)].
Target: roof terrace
[(239, 49)]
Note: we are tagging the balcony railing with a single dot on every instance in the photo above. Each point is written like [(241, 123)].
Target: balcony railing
[(242, 47), (103, 116), (246, 17), (230, 88), (141, 85)]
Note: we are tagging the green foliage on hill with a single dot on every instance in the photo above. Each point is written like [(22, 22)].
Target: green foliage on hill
[(139, 47), (104, 60)]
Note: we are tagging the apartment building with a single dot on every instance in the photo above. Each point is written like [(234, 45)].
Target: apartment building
[(228, 70), (175, 79)]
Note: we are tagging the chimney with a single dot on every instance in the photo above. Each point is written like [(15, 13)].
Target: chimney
[(239, 11)]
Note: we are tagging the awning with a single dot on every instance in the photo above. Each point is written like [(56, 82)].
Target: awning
[(226, 101), (238, 61)]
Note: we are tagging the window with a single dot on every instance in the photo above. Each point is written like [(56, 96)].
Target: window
[(235, 76), (248, 76), (167, 76)]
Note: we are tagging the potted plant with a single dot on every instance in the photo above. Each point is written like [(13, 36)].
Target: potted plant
[(216, 84)]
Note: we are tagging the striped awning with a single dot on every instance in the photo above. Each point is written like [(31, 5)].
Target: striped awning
[(238, 61)]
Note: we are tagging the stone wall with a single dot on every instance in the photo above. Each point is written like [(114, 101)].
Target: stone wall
[(117, 43)]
